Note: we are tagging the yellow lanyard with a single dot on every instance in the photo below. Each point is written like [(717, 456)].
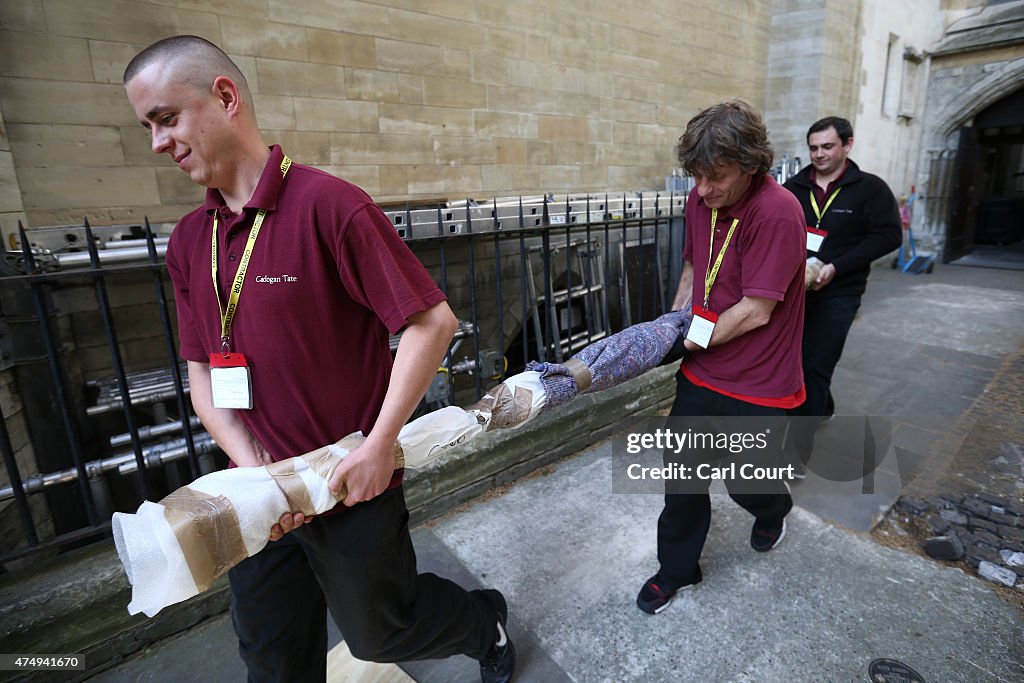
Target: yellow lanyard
[(228, 315), (711, 274), (814, 205)]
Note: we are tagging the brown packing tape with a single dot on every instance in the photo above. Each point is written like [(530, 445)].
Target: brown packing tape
[(208, 532), (581, 374), (323, 461), (486, 402), (509, 410), (294, 489), (522, 401)]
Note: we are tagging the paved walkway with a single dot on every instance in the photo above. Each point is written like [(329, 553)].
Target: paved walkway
[(570, 555)]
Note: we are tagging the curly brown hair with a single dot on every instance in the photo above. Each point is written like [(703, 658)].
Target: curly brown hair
[(730, 132)]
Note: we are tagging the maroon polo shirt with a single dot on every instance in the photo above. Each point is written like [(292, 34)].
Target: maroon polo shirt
[(328, 280), (766, 258)]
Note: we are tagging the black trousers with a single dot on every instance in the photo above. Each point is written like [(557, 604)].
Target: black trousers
[(685, 519), (360, 564), (826, 325)]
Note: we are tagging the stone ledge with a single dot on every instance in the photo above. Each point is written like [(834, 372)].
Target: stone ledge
[(76, 603)]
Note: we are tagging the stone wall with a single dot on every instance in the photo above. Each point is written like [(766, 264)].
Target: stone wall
[(793, 81), (841, 62), (888, 112), (11, 209), (407, 99), (813, 62)]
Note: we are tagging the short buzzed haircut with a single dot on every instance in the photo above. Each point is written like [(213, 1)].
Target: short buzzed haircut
[(844, 129), (196, 59), (730, 132)]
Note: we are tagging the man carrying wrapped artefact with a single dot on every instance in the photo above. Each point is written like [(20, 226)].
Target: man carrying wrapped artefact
[(295, 355), (176, 548), (743, 272)]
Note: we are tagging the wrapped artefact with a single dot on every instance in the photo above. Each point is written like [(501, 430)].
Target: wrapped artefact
[(543, 386), (176, 548)]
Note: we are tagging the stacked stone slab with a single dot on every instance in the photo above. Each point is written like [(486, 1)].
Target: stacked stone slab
[(984, 530)]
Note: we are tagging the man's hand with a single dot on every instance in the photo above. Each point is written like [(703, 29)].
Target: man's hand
[(825, 275), (364, 473), (288, 522)]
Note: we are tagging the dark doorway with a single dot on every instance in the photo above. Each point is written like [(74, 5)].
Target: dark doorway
[(986, 223)]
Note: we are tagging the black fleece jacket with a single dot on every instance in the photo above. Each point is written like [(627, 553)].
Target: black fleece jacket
[(863, 224)]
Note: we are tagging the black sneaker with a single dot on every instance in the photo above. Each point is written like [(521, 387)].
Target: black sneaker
[(765, 536), (500, 662), (655, 595)]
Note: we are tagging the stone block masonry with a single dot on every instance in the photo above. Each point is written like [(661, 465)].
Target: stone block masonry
[(585, 93)]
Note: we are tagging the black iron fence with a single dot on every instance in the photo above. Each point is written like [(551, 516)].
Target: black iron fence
[(97, 416)]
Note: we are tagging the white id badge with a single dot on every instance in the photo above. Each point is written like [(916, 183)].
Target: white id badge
[(702, 326), (815, 238), (230, 382)]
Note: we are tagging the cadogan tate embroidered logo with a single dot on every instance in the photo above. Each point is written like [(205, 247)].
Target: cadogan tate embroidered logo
[(276, 279)]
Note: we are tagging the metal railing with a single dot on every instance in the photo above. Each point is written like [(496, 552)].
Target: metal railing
[(528, 277)]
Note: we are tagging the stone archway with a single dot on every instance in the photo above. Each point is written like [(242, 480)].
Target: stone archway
[(956, 96), (1001, 82)]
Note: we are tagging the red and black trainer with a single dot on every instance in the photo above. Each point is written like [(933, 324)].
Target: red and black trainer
[(766, 535), (656, 593)]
